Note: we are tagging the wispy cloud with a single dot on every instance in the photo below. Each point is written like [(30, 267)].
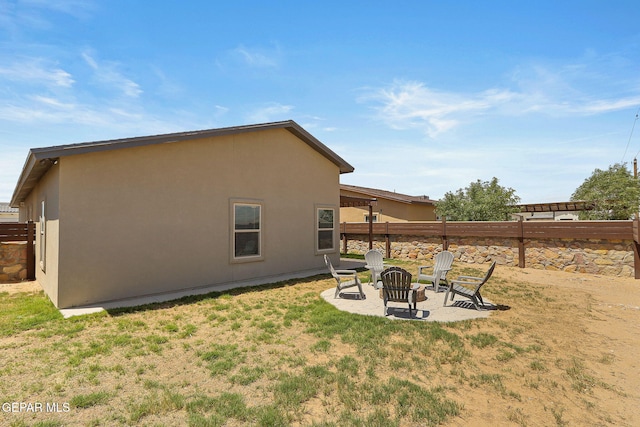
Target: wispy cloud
[(412, 104), (269, 113), (258, 57), (38, 109), (605, 106), (18, 16), (406, 105), (75, 8), (107, 74), (36, 71), (43, 93)]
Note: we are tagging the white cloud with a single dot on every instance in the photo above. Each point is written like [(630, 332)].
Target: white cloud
[(18, 17), (107, 74), (76, 8), (38, 71), (258, 58), (604, 106), (47, 110), (219, 109), (572, 90), (269, 113), (411, 104)]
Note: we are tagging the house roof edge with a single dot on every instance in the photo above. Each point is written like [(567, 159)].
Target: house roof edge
[(39, 160)]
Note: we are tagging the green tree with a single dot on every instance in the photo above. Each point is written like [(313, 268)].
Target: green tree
[(480, 201), (614, 193)]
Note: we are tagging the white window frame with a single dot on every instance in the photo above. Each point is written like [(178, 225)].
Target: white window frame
[(318, 229), (246, 258), (43, 236)]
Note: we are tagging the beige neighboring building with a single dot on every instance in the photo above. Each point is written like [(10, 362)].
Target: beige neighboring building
[(389, 207), (7, 213), (555, 211), (150, 215)]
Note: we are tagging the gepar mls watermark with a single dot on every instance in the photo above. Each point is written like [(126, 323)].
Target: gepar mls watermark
[(33, 407)]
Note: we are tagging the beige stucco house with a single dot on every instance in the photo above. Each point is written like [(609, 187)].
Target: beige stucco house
[(7, 213), (148, 215), (389, 206)]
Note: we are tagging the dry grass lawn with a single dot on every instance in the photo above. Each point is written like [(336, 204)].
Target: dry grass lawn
[(565, 353)]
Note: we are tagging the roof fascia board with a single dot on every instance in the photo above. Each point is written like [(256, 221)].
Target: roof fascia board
[(141, 141), (24, 176), (385, 195), (381, 196), (302, 134)]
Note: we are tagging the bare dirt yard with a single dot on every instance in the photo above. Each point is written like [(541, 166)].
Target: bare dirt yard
[(589, 329), (563, 351)]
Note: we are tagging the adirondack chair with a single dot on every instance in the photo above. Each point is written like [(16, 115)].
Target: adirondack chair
[(345, 278), (397, 287), (375, 264), (469, 287), (443, 262)]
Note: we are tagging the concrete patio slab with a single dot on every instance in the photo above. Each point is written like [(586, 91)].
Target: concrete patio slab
[(431, 309)]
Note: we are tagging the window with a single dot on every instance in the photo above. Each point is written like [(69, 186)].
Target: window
[(325, 229), (43, 237), (247, 231), (374, 216)]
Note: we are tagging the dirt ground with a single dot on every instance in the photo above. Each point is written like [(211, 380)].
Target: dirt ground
[(590, 318)]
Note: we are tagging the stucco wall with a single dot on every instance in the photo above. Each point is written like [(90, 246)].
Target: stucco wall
[(154, 219), (46, 190), (611, 258)]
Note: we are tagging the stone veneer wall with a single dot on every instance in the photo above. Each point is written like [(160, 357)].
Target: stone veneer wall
[(13, 262), (606, 257)]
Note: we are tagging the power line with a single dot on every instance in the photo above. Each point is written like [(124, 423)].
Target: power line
[(630, 135)]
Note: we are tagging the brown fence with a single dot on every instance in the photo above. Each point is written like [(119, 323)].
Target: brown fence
[(520, 230), (21, 232)]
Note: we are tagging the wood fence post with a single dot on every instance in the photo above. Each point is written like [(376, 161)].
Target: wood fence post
[(445, 241), (636, 247), (344, 238), (521, 249), (370, 226), (387, 240), (31, 256)]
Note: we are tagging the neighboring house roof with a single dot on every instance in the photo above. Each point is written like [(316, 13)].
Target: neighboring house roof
[(390, 195), (6, 208), (40, 160)]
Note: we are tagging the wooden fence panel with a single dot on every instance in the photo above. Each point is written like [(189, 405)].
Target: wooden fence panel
[(521, 230), (13, 232), (608, 230), (431, 228), (509, 229)]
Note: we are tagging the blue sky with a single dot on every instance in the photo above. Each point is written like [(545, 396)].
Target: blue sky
[(421, 97)]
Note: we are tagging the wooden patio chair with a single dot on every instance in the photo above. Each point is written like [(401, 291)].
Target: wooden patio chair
[(375, 264), (397, 287), (469, 287), (442, 266), (345, 278)]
